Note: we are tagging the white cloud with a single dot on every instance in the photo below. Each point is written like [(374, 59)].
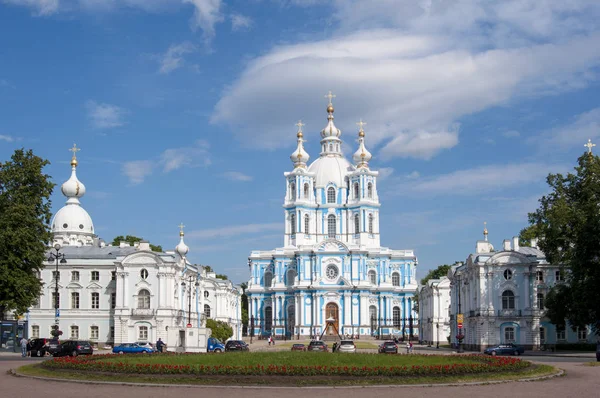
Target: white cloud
[(103, 116), (234, 230), (137, 170), (207, 14), (413, 175), (40, 7), (511, 134), (385, 172), (173, 58), (236, 176), (584, 126), (195, 155), (240, 22), (6, 138)]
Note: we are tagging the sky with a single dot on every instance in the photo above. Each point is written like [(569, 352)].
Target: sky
[(185, 111)]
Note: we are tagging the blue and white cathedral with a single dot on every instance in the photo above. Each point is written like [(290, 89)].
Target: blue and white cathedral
[(332, 274)]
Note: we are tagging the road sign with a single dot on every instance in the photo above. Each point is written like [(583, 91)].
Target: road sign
[(57, 314), (459, 318), (189, 325), (460, 325)]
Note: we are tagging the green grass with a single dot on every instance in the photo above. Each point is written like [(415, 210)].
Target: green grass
[(592, 363)]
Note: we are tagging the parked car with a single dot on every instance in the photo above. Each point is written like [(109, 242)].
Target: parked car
[(504, 349), (38, 347), (146, 344), (388, 347), (74, 348), (346, 346), (236, 345), (298, 347), (317, 345), (132, 348), (53, 345), (598, 352), (215, 345)]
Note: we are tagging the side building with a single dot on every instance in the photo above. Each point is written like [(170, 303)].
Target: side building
[(434, 311)]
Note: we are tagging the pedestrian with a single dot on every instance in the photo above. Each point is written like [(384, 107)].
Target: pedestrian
[(269, 340), (407, 348), (159, 345), (24, 343), (411, 347), (334, 346)]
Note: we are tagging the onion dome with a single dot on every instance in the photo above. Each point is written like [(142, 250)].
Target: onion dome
[(299, 157), (362, 155), (330, 130), (331, 144), (73, 188), (182, 249), (485, 231)]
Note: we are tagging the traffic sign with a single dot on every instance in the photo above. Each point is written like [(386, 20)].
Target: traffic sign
[(57, 314), (459, 318), (189, 325), (460, 325)]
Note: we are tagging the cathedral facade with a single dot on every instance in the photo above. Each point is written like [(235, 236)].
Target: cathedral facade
[(332, 276)]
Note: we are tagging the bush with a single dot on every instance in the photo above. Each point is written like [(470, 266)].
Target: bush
[(576, 347), (220, 330)]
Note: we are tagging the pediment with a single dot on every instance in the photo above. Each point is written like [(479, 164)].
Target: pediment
[(94, 285), (508, 258), (74, 285), (331, 245), (144, 258), (142, 283)]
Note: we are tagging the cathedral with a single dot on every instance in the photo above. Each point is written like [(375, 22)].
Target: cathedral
[(332, 276), (124, 294)]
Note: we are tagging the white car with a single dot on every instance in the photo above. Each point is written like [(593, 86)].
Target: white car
[(346, 346)]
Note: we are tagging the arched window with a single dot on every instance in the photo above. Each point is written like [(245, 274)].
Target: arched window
[(144, 274), (372, 277), (330, 147), (268, 279), (331, 227), (373, 317), (292, 191), (291, 318), (395, 279), (306, 224), (206, 311), (370, 190), (290, 277), (292, 224), (143, 299), (306, 190), (331, 195), (540, 300), (396, 317), (509, 334), (508, 300), (356, 224), (356, 190), (370, 223), (268, 318)]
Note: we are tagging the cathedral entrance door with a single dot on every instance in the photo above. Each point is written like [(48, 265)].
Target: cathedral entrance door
[(332, 312)]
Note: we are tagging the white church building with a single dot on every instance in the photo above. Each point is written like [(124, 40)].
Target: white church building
[(122, 294), (332, 275), (434, 311)]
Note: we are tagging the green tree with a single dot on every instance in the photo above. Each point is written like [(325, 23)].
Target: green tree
[(568, 224), (244, 300), (527, 234), (134, 239), (208, 268), (220, 329), (24, 219), (437, 273), (221, 276)]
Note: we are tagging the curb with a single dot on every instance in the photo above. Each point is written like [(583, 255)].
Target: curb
[(558, 373)]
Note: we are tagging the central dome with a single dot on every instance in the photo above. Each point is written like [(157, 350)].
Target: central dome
[(73, 219), (330, 169)]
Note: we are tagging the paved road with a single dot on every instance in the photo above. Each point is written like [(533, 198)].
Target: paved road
[(580, 381)]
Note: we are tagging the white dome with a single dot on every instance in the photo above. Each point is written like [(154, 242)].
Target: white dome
[(182, 249), (73, 188), (72, 219), (330, 169)]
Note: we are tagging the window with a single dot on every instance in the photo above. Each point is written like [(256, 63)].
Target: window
[(143, 299), (112, 332), (75, 300), (539, 276), (542, 334), (306, 224), (35, 331), (113, 300), (370, 190), (292, 191), (113, 275), (268, 318), (582, 334), (509, 334), (292, 224), (508, 300), (95, 276), (373, 316), (508, 274), (331, 195), (207, 311), (75, 276), (290, 276), (396, 317), (373, 277), (74, 332), (370, 223), (306, 191), (55, 300), (559, 276), (56, 275), (560, 332), (206, 294), (356, 190), (395, 279), (268, 279), (95, 301), (144, 273), (331, 271), (356, 224), (143, 333), (94, 332), (540, 300), (331, 227)]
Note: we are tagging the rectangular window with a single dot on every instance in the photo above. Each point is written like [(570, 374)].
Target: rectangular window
[(74, 300), (56, 275), (75, 276), (582, 333), (95, 276), (560, 332), (542, 335), (95, 301), (509, 335), (143, 333), (539, 276), (113, 275), (55, 300), (559, 276), (113, 300), (112, 332), (35, 331), (94, 332), (74, 332)]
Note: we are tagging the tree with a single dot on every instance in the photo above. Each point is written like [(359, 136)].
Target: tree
[(134, 239), (221, 276), (208, 268), (568, 224), (24, 229), (244, 300), (527, 234), (220, 329), (437, 273)]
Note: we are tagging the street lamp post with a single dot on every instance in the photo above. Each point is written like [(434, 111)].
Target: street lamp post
[(190, 279), (460, 334), (58, 257)]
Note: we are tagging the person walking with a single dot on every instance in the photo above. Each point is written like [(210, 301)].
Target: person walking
[(407, 348), (411, 347), (24, 343), (159, 345)]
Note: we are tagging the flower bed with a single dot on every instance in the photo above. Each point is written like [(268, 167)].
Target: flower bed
[(476, 364)]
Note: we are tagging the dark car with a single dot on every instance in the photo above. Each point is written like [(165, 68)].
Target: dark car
[(317, 345), (598, 352), (53, 345), (74, 348), (38, 347), (236, 345), (388, 347), (504, 349), (298, 347)]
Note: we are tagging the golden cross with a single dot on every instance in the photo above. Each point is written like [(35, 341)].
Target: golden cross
[(589, 146), (330, 96), (300, 124), (181, 226), (360, 125), (74, 149)]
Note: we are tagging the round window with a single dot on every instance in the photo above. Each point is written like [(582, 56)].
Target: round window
[(80, 226), (144, 273), (332, 271), (508, 274), (65, 225)]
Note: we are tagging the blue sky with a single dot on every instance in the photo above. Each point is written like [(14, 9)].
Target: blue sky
[(185, 110)]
